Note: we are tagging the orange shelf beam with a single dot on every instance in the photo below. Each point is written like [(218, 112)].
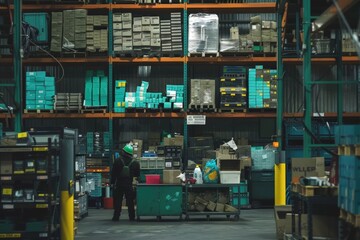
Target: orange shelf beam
[(149, 60), (235, 7), (240, 59), (147, 6), (66, 115), (149, 115), (6, 115), (345, 59), (52, 7), (237, 115), (104, 59), (327, 115)]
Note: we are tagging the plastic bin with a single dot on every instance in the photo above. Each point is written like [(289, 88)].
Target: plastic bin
[(152, 179), (230, 177)]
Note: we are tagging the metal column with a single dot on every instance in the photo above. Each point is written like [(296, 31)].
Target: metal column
[(67, 189), (306, 48), (339, 76), (280, 167), (185, 80), (17, 49)]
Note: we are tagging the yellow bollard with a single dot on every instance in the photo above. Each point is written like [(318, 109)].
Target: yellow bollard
[(280, 184)]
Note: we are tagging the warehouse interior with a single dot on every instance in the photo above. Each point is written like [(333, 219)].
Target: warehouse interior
[(217, 119)]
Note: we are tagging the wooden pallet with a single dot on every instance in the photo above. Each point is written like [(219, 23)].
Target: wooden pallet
[(353, 219), (201, 108), (233, 110), (349, 150), (38, 111), (311, 191), (203, 54), (94, 110), (67, 110)]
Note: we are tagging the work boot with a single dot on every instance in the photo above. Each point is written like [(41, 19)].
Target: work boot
[(115, 218)]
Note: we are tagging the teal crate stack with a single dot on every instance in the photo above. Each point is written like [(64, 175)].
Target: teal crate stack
[(349, 184), (120, 89), (262, 87), (98, 142), (96, 89), (348, 139), (40, 91), (242, 196), (143, 99), (174, 97)]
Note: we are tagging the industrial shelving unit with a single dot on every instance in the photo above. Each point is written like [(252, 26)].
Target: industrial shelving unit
[(34, 214)]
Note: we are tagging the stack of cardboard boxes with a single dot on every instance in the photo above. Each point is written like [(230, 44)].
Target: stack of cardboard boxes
[(146, 37), (202, 93), (123, 32), (56, 31), (74, 28), (97, 33), (262, 87), (40, 90), (269, 36)]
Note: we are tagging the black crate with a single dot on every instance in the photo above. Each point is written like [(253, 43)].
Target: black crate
[(41, 166), (18, 167), (201, 142)]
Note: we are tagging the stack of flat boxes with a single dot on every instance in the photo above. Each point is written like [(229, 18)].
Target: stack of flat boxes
[(256, 36), (176, 35), (175, 94), (146, 37), (233, 88), (348, 137), (56, 31), (98, 142), (269, 36), (69, 27), (154, 99), (123, 32), (97, 33), (348, 45), (96, 89), (80, 28), (202, 92), (117, 32), (262, 88), (165, 33), (120, 88), (40, 91), (137, 99)]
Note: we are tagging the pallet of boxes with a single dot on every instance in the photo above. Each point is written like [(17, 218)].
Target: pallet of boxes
[(173, 147), (311, 188), (347, 137)]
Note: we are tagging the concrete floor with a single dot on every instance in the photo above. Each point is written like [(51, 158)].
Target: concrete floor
[(257, 224)]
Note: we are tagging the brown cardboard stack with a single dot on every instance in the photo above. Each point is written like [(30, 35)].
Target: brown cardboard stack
[(80, 28), (69, 28), (137, 147), (307, 167), (280, 219), (169, 176), (178, 140), (56, 31), (123, 31), (97, 33), (269, 36)]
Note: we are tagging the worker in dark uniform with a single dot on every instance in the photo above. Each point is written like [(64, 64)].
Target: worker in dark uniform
[(125, 170)]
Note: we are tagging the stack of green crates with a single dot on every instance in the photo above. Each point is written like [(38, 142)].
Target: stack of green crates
[(89, 142), (97, 142), (175, 95), (153, 100), (40, 90), (120, 89), (96, 89), (262, 87)]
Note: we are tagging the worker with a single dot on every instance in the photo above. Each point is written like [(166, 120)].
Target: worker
[(125, 170)]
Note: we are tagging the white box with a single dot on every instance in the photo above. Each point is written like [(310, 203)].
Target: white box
[(118, 48), (155, 20), (145, 20), (137, 42), (137, 35), (127, 17), (137, 27), (126, 25), (155, 35), (117, 26), (146, 42), (230, 177), (127, 33), (155, 42), (117, 17), (117, 33), (137, 21), (117, 40), (155, 29), (146, 28)]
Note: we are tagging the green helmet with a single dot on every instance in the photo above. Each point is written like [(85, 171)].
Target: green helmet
[(128, 148)]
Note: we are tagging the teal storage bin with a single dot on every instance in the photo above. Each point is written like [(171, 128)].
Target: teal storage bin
[(40, 22)]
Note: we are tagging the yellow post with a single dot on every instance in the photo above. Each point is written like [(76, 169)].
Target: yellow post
[(280, 184), (67, 216)]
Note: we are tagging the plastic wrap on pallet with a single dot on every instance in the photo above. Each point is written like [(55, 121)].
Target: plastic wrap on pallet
[(229, 45), (203, 33), (202, 92), (263, 159)]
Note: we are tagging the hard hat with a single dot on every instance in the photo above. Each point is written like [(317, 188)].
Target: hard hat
[(128, 148)]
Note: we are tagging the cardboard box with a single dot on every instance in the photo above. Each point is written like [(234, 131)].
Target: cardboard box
[(169, 176), (323, 226), (245, 162), (174, 141), (6, 165), (220, 207), (280, 219), (307, 167)]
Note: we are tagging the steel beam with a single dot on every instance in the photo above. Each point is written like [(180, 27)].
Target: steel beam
[(17, 55)]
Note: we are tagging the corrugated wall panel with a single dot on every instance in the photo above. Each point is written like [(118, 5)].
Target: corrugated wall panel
[(325, 96), (7, 76)]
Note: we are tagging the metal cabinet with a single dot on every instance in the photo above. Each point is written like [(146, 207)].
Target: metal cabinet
[(159, 200)]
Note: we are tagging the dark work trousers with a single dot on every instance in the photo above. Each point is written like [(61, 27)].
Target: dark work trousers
[(118, 195)]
